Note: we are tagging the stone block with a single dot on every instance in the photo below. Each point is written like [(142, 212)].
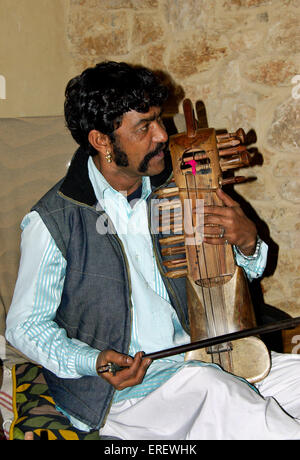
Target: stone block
[(194, 54), (271, 72), (283, 33), (287, 168), (147, 28), (289, 190), (245, 3), (284, 132)]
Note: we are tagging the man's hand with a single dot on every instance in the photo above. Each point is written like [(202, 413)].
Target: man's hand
[(229, 224), (133, 374)]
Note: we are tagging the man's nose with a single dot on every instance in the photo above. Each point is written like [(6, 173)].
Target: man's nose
[(160, 133)]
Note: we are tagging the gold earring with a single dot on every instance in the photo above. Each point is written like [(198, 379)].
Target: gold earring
[(108, 156)]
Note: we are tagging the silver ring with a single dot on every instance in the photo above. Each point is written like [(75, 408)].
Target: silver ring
[(222, 233)]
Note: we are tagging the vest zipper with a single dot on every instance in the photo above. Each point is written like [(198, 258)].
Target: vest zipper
[(130, 310)]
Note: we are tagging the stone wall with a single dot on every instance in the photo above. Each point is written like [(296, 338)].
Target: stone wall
[(239, 58)]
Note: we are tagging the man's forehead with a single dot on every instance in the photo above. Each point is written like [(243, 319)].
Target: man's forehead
[(135, 118)]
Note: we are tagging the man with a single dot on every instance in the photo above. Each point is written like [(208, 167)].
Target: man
[(91, 290)]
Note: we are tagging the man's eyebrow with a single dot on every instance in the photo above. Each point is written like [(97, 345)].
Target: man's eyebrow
[(148, 119)]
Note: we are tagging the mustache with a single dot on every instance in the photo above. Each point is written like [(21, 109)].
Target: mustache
[(144, 164)]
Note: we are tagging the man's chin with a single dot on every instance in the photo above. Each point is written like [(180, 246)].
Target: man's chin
[(155, 168)]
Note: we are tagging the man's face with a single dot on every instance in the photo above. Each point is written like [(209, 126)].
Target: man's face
[(140, 142)]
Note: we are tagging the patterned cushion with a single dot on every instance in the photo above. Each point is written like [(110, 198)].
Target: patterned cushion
[(34, 409)]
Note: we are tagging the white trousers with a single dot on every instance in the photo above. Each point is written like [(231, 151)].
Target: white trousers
[(206, 403)]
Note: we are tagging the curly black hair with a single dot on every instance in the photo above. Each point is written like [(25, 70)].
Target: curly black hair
[(101, 95)]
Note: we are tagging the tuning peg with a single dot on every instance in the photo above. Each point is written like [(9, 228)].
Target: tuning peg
[(173, 227), (223, 144), (233, 180), (168, 192), (239, 134), (172, 251), (177, 273), (169, 204), (176, 263), (236, 161), (232, 151), (172, 218), (174, 239)]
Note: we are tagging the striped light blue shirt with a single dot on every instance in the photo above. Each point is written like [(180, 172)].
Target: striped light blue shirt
[(155, 326)]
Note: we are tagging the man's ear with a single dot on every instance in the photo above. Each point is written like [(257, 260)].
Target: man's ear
[(98, 140)]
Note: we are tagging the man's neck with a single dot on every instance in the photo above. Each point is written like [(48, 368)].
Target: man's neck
[(118, 179)]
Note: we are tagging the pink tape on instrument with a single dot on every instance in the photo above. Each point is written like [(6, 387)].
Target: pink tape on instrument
[(193, 164)]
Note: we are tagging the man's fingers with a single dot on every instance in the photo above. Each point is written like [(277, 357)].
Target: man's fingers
[(227, 200), (132, 375), (139, 365), (133, 371), (111, 356)]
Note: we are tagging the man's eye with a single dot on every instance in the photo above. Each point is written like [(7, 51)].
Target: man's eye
[(144, 128)]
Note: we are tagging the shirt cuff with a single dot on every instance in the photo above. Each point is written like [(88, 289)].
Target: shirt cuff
[(86, 359), (254, 265)]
